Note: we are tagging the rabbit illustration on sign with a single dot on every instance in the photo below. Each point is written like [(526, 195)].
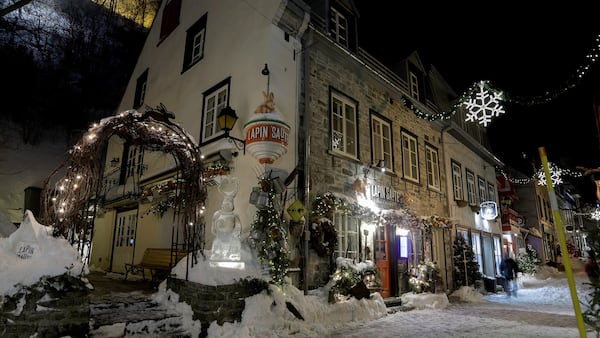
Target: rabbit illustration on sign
[(268, 106)]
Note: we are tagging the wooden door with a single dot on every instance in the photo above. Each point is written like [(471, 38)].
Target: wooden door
[(382, 259), (124, 243)]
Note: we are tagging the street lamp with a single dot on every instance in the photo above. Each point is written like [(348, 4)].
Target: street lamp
[(227, 119)]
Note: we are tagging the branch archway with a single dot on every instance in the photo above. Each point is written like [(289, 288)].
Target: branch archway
[(73, 192)]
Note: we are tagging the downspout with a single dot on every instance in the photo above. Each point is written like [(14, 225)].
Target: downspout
[(304, 71), (442, 132)]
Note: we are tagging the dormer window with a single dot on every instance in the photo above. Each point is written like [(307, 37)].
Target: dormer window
[(170, 18), (338, 27), (414, 86)]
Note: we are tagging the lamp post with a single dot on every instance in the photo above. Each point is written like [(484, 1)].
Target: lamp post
[(227, 119)]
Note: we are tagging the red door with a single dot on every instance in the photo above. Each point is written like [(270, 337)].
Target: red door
[(382, 259)]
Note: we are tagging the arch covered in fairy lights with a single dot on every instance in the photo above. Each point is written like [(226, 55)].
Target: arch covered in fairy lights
[(74, 191)]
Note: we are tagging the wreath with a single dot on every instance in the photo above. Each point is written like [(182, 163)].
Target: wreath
[(323, 237)]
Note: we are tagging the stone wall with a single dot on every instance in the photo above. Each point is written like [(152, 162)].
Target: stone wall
[(53, 307), (221, 303)]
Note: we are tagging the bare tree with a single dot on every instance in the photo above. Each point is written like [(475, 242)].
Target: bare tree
[(13, 7)]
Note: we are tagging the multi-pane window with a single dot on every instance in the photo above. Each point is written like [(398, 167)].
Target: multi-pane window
[(125, 229), (464, 233), (471, 192), (170, 17), (433, 167), (381, 138), (491, 192), (194, 43), (410, 159), (414, 85), (343, 125), (140, 89), (338, 26), (215, 99), (457, 183), (477, 252), (497, 254), (482, 188), (347, 232), (135, 165)]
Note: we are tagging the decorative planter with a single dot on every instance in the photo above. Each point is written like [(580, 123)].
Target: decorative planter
[(266, 133)]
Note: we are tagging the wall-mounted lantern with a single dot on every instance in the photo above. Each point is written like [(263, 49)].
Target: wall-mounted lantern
[(227, 119)]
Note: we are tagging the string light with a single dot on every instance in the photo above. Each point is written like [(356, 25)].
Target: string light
[(557, 173), (472, 93)]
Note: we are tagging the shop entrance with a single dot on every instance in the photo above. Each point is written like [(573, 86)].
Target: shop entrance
[(382, 259)]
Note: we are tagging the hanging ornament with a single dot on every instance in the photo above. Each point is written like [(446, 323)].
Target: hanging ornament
[(555, 175), (484, 104)]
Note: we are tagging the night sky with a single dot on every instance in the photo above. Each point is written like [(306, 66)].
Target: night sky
[(523, 52)]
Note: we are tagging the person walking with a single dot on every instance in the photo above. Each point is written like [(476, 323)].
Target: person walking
[(592, 270), (509, 269)]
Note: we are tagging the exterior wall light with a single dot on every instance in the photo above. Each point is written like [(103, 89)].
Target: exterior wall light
[(227, 119)]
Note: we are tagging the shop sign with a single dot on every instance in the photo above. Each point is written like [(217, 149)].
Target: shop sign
[(488, 210), (383, 194)]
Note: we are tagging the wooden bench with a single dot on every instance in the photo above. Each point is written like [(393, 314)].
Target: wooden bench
[(158, 260)]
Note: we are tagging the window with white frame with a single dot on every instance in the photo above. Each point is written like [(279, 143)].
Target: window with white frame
[(381, 138), (482, 188), (410, 158), (491, 192), (414, 86), (347, 232), (338, 27), (498, 254), (140, 89), (433, 167), (477, 252), (215, 99), (343, 125), (464, 233), (135, 165), (457, 182), (471, 192), (194, 43)]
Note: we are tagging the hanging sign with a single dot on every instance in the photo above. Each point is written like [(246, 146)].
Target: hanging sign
[(489, 210), (267, 135), (296, 210)]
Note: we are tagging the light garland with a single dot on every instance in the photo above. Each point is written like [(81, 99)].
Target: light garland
[(557, 173), (69, 202), (484, 104), (268, 236)]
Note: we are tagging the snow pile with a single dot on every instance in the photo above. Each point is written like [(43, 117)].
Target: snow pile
[(31, 252)]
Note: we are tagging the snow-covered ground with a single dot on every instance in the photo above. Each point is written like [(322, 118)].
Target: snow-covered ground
[(543, 308)]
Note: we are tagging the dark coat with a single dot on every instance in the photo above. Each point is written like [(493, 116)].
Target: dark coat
[(592, 270), (509, 268)]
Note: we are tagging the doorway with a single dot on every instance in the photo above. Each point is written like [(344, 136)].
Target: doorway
[(124, 240)]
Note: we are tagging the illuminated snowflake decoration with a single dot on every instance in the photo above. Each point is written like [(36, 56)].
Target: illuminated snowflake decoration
[(483, 105), (555, 174), (595, 215)]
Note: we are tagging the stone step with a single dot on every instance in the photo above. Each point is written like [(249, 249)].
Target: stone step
[(142, 318)]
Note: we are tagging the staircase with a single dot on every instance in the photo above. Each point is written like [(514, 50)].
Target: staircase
[(117, 312)]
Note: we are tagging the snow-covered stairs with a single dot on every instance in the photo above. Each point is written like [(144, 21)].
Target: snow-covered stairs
[(133, 314)]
